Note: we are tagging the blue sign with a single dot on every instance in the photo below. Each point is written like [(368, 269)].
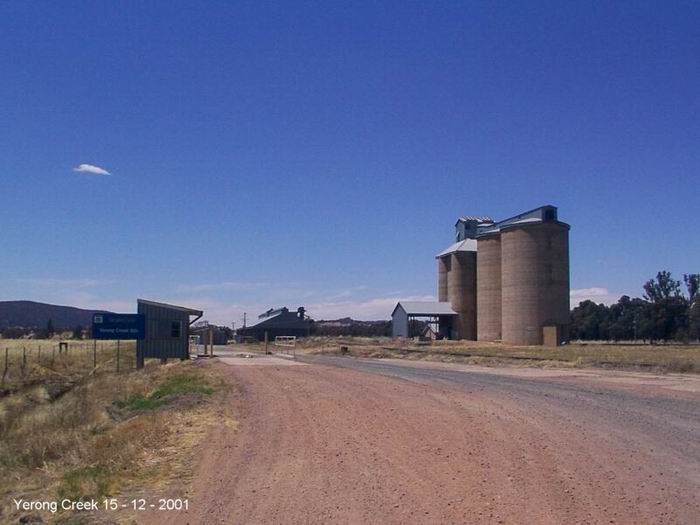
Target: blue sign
[(118, 326)]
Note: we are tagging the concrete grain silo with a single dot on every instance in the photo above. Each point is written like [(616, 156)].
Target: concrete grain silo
[(534, 279), (488, 287), (508, 280), (457, 285), (461, 293), (443, 264)]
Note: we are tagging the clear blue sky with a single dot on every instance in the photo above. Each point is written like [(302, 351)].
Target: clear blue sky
[(319, 154)]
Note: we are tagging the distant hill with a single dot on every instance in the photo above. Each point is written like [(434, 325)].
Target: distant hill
[(348, 326), (29, 314), (348, 321)]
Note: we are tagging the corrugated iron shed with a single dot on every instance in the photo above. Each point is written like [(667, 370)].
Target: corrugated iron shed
[(167, 330), (277, 322)]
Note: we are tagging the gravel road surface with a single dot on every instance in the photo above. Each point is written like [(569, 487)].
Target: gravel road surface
[(343, 440)]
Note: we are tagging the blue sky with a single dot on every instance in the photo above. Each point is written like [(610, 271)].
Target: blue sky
[(267, 154)]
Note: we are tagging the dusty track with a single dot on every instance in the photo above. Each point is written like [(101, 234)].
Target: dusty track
[(373, 442)]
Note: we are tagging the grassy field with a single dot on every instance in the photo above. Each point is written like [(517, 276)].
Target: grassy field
[(657, 358), (104, 435), (26, 362)]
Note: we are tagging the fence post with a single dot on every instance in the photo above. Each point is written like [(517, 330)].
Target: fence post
[(117, 355), (53, 355), (24, 359), (4, 373), (39, 358), (139, 357), (94, 354)]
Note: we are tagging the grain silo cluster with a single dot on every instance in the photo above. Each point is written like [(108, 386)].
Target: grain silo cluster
[(508, 280)]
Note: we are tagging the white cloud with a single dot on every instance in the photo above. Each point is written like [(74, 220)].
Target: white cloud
[(596, 294), (376, 309), (223, 313), (91, 168)]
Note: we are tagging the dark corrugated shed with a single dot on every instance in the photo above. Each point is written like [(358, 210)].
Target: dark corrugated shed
[(167, 331)]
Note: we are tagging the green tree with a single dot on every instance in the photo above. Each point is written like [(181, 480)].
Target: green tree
[(661, 288), (666, 315), (665, 320), (625, 318), (590, 321), (49, 328), (692, 284), (14, 332)]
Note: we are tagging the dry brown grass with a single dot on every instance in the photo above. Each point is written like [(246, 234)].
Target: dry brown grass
[(658, 358), (82, 445), (40, 361)]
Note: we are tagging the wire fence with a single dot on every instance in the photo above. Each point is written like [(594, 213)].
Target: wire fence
[(27, 362), (286, 344)]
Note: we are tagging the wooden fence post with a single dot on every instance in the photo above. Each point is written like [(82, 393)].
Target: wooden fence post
[(4, 373)]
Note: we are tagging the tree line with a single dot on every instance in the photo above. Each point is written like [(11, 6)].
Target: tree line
[(352, 328), (668, 311), (19, 332)]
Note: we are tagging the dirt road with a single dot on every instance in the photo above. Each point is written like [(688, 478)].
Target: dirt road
[(342, 440)]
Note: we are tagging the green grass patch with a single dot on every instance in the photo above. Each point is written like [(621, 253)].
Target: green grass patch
[(176, 386), (139, 403), (85, 483), (182, 384)]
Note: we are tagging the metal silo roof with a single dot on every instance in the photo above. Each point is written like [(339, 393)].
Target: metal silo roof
[(426, 308), (467, 245)]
